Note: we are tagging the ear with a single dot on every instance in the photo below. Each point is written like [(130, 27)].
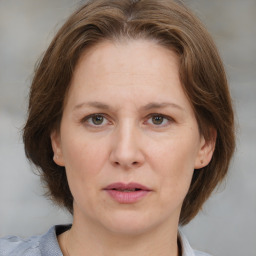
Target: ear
[(206, 150), (57, 149)]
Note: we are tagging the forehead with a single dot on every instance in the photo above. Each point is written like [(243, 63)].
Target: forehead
[(143, 53), (135, 68), (131, 57)]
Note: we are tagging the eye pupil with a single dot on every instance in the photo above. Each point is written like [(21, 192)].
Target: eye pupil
[(97, 120), (157, 119)]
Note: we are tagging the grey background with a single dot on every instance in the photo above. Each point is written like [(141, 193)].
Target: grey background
[(227, 225)]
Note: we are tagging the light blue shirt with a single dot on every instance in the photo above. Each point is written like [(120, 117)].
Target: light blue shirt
[(47, 245)]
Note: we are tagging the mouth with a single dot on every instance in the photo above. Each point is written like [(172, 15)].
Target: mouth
[(127, 190), (130, 187), (127, 193)]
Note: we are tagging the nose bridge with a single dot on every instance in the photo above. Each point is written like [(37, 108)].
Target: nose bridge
[(126, 150), (127, 137)]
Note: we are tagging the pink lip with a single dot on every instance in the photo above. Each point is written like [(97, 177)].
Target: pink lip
[(118, 192)]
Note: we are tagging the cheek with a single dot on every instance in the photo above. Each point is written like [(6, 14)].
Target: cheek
[(175, 154), (83, 160), (80, 150), (174, 163)]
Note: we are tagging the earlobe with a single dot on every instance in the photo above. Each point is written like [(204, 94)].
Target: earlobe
[(56, 147), (206, 151)]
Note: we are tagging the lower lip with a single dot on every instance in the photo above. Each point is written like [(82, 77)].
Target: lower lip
[(127, 197)]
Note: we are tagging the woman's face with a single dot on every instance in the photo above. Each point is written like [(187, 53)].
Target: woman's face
[(128, 138)]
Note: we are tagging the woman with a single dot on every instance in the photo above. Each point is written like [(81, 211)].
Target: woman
[(131, 124)]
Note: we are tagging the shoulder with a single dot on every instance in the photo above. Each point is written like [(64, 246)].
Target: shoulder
[(13, 245), (43, 245)]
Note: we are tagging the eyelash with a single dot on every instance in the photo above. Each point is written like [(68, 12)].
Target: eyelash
[(86, 119)]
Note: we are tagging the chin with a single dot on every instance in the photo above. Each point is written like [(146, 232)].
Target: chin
[(129, 223)]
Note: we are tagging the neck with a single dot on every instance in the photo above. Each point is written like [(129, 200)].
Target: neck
[(88, 239)]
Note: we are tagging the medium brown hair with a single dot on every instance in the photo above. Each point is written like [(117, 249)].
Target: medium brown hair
[(202, 75)]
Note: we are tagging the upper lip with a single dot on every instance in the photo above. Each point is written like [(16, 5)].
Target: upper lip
[(129, 186)]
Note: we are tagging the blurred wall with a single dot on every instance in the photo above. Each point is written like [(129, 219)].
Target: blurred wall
[(227, 225)]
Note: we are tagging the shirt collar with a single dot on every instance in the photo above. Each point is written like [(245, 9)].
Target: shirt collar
[(185, 246), (49, 243)]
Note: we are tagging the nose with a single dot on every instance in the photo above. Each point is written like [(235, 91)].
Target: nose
[(127, 148)]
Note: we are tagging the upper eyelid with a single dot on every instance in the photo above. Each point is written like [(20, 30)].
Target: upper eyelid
[(92, 115), (106, 115), (162, 115)]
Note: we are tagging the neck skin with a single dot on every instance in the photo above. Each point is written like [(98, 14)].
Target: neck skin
[(88, 238)]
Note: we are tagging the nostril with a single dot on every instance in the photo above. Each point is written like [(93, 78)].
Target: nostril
[(135, 163)]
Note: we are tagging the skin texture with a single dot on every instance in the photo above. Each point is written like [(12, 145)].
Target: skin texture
[(148, 135)]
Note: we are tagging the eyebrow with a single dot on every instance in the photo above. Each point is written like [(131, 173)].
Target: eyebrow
[(154, 105), (94, 104), (149, 106)]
